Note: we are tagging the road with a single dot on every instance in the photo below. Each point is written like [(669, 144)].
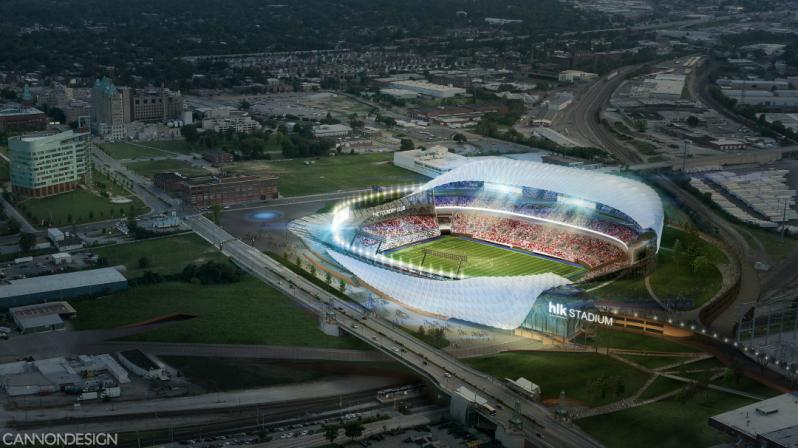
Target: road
[(582, 117), (442, 369)]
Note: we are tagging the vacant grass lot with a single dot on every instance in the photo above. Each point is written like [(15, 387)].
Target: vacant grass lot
[(571, 372), (634, 341), (483, 259), (77, 206), (665, 424), (178, 146), (165, 255), (121, 151), (150, 167), (327, 174), (247, 312)]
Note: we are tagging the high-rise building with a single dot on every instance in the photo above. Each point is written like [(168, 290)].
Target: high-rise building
[(48, 163), (114, 106), (110, 109), (155, 104)]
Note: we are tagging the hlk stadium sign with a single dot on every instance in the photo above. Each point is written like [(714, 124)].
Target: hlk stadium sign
[(560, 310)]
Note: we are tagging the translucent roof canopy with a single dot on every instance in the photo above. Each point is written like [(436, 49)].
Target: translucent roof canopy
[(637, 200), (500, 302)]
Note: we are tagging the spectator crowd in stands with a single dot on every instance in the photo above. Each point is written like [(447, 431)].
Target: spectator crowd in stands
[(402, 230), (554, 212), (545, 239)]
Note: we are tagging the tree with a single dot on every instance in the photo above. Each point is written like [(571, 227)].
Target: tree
[(190, 133), (459, 138), (244, 105), (693, 121), (216, 211), (701, 264), (331, 433), (328, 278), (27, 241), (406, 144), (353, 429), (144, 262), (341, 285)]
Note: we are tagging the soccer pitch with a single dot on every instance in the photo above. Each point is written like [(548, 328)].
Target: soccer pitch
[(484, 260)]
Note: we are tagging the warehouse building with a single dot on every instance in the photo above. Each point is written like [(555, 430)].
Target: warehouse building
[(48, 288), (428, 88), (41, 317)]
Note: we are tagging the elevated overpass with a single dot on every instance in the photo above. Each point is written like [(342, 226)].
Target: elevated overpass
[(538, 427)]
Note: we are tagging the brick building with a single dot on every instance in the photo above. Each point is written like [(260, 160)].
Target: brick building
[(204, 191)]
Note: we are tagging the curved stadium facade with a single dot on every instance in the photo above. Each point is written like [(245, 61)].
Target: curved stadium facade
[(484, 242)]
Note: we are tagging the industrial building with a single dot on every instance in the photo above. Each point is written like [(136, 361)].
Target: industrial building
[(560, 101), (770, 423), (429, 162), (428, 88), (575, 75), (455, 116), (45, 164), (41, 317), (57, 287), (88, 377), (204, 191), (331, 131), (229, 120)]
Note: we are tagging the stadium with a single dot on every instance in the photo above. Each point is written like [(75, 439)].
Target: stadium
[(495, 242)]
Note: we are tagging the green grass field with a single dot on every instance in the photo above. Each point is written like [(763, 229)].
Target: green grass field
[(635, 341), (165, 255), (665, 424), (150, 167), (572, 372), (121, 151), (82, 206), (483, 259), (329, 174), (246, 312)]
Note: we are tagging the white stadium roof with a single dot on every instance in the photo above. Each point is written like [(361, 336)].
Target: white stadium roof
[(501, 302), (637, 200)]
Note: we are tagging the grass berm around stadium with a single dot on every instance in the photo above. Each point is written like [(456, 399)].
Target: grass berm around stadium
[(484, 260)]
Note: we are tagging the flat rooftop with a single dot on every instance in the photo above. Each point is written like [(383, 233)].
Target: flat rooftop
[(777, 414)]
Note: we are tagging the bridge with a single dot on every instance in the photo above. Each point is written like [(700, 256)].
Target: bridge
[(536, 426)]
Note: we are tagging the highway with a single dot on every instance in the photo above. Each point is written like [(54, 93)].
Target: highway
[(582, 117), (539, 426)]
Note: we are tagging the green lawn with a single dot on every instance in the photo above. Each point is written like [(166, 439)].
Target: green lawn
[(122, 151), (483, 259), (660, 386), (178, 146), (672, 279), (165, 255), (150, 167), (329, 174), (634, 341), (665, 424), (573, 372), (653, 362), (247, 312), (771, 241), (82, 206)]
